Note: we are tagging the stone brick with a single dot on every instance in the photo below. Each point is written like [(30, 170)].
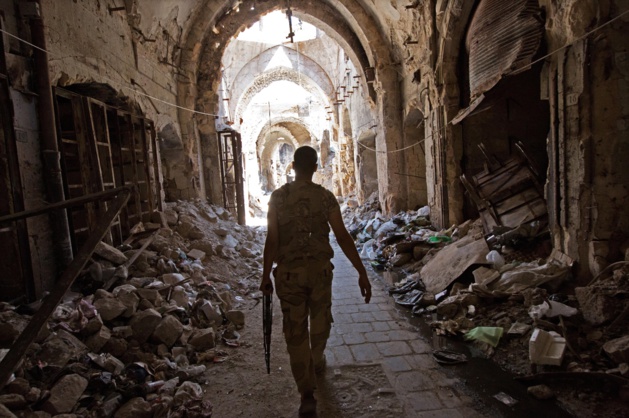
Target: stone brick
[(135, 408), (144, 323), (110, 253), (618, 349), (168, 331), (196, 254), (109, 308), (394, 348), (203, 339), (97, 340), (65, 394), (365, 352)]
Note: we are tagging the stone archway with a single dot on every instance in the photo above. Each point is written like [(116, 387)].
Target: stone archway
[(346, 21)]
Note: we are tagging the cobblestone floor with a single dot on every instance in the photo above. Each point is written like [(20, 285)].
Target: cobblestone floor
[(377, 333)]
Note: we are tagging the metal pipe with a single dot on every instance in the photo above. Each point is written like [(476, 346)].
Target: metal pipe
[(48, 138)]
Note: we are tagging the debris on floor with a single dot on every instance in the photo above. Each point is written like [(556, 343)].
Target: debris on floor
[(498, 284), (143, 323)]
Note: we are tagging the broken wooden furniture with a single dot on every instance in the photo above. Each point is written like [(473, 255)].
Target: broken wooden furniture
[(508, 194)]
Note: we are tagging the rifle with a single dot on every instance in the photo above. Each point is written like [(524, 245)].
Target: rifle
[(267, 322)]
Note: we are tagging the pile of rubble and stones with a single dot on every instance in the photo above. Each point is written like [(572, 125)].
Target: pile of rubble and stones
[(134, 336), (510, 295)]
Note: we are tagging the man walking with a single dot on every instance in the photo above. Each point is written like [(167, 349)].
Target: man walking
[(299, 219)]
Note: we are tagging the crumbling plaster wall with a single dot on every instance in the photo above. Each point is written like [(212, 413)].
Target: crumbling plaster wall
[(134, 51), (588, 89), (425, 37)]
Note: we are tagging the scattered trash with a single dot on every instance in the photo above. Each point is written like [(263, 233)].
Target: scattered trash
[(495, 259), (505, 399), (139, 348), (518, 328), (449, 357), (489, 335), (551, 309), (546, 347)]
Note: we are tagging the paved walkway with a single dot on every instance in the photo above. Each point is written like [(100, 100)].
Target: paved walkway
[(377, 333)]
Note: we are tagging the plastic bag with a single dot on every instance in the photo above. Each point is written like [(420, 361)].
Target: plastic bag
[(424, 211), (385, 228), (496, 259), (552, 310), (437, 239), (367, 251), (489, 335)]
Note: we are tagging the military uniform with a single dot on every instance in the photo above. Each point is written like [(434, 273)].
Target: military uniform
[(303, 279)]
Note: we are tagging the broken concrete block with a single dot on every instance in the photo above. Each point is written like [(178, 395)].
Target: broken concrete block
[(246, 252), (110, 253), (180, 297), (236, 317), (93, 325), (96, 341), (19, 386), (188, 391), (60, 348), (109, 406), (144, 323), (6, 413), (124, 331), (110, 308), (196, 254), (171, 217), (230, 242), (127, 295), (65, 394), (172, 278), (546, 348), (116, 346), (153, 226), (400, 259), (152, 295), (168, 331), (211, 312), (203, 339), (222, 213), (135, 408), (618, 349), (203, 245), (13, 401), (597, 306), (195, 234), (184, 226), (113, 365)]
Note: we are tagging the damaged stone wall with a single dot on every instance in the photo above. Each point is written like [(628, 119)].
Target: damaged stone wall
[(133, 50), (587, 89)]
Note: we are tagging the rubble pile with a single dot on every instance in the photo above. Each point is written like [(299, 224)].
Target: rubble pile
[(139, 329), (502, 290)]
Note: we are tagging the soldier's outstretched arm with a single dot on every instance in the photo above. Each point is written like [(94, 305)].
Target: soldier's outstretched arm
[(347, 245)]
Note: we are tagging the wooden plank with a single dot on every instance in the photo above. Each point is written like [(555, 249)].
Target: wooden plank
[(50, 302), (77, 201)]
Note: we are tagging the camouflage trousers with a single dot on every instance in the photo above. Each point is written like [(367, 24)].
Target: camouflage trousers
[(305, 294)]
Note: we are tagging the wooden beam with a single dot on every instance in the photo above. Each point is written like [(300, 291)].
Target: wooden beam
[(77, 201)]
